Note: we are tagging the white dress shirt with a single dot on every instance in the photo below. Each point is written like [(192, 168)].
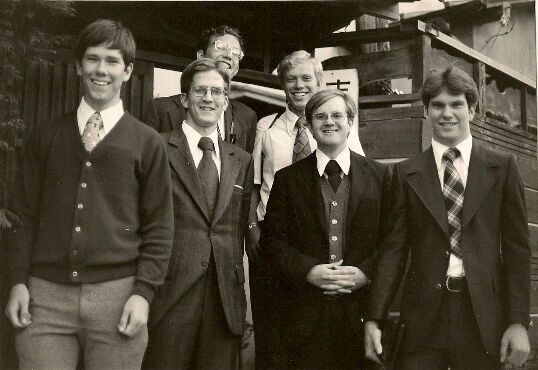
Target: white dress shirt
[(455, 264), (343, 159), (110, 116), (193, 138)]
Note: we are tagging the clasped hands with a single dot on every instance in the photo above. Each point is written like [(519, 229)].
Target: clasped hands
[(335, 279)]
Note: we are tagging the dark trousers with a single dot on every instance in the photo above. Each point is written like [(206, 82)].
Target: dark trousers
[(195, 333), (334, 343), (454, 340)]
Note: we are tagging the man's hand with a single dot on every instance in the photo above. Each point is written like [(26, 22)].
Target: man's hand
[(515, 345), (134, 316), (372, 341), (17, 306), (316, 277), (342, 276), (251, 244)]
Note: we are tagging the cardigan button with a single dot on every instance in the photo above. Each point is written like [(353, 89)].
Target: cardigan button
[(74, 274), (88, 164), (83, 185), (77, 229)]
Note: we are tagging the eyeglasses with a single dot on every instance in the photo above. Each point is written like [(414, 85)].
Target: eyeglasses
[(216, 92), (335, 116), (221, 46)]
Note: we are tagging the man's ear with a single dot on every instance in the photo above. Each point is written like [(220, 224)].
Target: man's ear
[(77, 66), (184, 100), (127, 73), (472, 111), (199, 54), (226, 102)]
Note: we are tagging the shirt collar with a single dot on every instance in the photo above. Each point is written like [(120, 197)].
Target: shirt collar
[(193, 137), (464, 147), (110, 116), (343, 159), (290, 119)]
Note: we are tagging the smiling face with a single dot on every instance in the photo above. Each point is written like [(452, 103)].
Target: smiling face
[(450, 117), (203, 112), (331, 133), (102, 72), (226, 60), (300, 83)]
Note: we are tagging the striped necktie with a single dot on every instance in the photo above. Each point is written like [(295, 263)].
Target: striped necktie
[(453, 192), (301, 147)]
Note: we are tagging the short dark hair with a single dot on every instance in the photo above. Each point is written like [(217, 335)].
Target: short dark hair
[(321, 97), (203, 42), (112, 34), (455, 81), (201, 65)]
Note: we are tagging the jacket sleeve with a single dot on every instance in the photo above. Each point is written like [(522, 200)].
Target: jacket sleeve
[(515, 247)]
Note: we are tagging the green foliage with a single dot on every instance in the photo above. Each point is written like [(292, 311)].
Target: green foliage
[(24, 40)]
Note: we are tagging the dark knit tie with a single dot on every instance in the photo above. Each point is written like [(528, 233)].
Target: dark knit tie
[(207, 171), (453, 193), (333, 174), (301, 147), (93, 131)]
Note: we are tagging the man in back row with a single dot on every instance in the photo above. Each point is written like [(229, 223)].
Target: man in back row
[(237, 124)]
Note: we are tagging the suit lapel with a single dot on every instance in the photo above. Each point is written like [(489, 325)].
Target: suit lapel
[(180, 159), (229, 169), (228, 119), (481, 176), (424, 179), (174, 115), (308, 179), (358, 179)]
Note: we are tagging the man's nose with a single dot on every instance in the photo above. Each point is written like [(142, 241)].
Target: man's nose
[(101, 67), (208, 96)]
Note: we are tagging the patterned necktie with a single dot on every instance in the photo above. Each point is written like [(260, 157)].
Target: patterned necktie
[(207, 171), (453, 193), (301, 147), (93, 132), (333, 174)]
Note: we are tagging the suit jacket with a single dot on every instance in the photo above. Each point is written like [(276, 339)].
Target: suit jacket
[(295, 234), (196, 234), (166, 114), (494, 239)]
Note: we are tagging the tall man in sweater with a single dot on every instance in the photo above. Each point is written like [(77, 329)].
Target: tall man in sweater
[(197, 318), (237, 124), (94, 196)]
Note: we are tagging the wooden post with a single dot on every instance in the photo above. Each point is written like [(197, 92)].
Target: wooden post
[(523, 99), (422, 64), (479, 76)]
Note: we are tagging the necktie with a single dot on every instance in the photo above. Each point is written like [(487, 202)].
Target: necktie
[(207, 171), (301, 147), (453, 193), (333, 174), (93, 131)]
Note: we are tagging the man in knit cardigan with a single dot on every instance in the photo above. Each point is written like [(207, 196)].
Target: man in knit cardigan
[(94, 197)]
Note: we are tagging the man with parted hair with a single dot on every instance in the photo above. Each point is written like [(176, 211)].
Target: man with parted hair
[(281, 139), (197, 318), (459, 207), (94, 196), (237, 124), (325, 218)]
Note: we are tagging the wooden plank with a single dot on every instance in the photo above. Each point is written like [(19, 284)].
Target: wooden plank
[(71, 89), (500, 143), (504, 129), (422, 61), (504, 136), (533, 232), (397, 138), (43, 102), (523, 98), (390, 99), (531, 197), (58, 89), (378, 114), (362, 37), (379, 66)]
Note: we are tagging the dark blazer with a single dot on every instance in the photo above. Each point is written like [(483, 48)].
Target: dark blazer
[(196, 234), (495, 242), (295, 235), (166, 114)]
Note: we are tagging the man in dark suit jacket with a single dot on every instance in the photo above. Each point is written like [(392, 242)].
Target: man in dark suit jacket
[(224, 45), (198, 317), (324, 220), (460, 208)]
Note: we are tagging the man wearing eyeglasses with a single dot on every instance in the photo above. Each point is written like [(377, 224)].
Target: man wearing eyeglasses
[(324, 221), (237, 124), (197, 319)]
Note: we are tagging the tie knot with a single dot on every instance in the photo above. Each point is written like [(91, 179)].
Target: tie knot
[(451, 154), (332, 167), (96, 120), (206, 143), (301, 122)]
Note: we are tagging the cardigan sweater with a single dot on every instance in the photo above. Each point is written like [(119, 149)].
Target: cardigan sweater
[(93, 217)]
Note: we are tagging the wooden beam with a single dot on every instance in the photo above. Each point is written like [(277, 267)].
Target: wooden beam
[(361, 37), (479, 76), (390, 99), (422, 63)]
